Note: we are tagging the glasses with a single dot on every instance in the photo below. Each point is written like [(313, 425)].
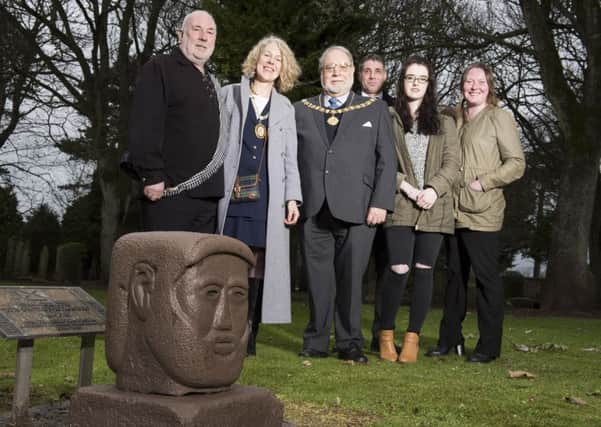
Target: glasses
[(422, 80), (330, 68)]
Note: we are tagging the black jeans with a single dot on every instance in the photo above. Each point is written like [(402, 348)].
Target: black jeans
[(409, 247), (479, 251)]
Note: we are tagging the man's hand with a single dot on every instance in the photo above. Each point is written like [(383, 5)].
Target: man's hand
[(426, 198), (292, 213), (154, 192), (375, 216)]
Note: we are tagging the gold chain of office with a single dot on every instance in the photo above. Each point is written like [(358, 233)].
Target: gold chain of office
[(333, 120)]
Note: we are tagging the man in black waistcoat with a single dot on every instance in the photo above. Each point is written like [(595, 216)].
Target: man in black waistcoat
[(347, 166), (174, 129), (372, 77)]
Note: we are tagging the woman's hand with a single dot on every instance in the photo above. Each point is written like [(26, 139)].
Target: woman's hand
[(426, 198), (476, 186), (292, 213), (409, 190)]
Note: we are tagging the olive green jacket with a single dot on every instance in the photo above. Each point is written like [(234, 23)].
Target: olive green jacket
[(441, 172), (490, 151)]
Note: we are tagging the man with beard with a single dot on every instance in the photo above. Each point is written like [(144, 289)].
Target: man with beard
[(174, 130), (347, 167)]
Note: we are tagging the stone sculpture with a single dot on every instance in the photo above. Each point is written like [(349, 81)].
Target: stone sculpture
[(176, 336)]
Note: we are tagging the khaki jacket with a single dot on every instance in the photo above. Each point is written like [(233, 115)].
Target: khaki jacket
[(441, 172), (490, 151)]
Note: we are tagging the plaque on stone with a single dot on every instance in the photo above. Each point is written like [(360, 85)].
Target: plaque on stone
[(48, 311)]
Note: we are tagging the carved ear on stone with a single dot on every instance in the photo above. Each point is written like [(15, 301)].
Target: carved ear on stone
[(142, 285)]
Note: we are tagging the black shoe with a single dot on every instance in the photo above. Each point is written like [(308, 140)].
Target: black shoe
[(374, 346), (442, 350), (309, 352), (480, 358), (352, 354)]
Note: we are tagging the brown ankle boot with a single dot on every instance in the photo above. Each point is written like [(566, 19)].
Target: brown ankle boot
[(410, 348), (387, 350)]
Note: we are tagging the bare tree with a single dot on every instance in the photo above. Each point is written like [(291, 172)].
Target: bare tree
[(92, 51)]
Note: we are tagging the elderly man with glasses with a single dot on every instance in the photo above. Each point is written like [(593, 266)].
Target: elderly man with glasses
[(347, 166)]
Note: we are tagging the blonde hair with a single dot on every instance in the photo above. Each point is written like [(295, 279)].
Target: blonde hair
[(290, 69)]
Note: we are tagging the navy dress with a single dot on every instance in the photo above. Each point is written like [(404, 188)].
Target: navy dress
[(247, 221)]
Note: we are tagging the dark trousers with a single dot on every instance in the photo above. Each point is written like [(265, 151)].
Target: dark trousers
[(336, 254), (409, 247), (381, 261), (477, 250), (180, 213)]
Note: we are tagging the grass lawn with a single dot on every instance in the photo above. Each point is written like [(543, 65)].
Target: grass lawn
[(434, 392)]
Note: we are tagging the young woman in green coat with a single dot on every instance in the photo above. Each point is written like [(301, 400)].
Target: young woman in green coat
[(428, 155)]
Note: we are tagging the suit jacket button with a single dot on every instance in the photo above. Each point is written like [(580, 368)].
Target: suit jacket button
[(326, 172)]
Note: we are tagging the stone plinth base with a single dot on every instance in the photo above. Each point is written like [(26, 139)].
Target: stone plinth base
[(106, 406)]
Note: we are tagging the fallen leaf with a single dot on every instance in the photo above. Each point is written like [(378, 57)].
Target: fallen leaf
[(521, 347), (594, 349), (574, 400), (528, 331), (548, 346), (553, 347), (521, 374), (307, 363)]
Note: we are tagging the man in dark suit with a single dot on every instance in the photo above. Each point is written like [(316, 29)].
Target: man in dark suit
[(174, 129), (347, 166), (372, 77)]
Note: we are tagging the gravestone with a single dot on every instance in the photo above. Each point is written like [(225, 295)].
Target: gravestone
[(43, 263), (9, 261), (69, 262), (176, 337)]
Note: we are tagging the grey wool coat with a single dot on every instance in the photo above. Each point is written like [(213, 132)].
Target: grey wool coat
[(284, 185)]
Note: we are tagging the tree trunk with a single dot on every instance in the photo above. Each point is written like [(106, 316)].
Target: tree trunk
[(595, 246), (569, 282), (111, 208)]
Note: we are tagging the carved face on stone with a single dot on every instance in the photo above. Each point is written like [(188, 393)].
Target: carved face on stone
[(177, 312), (199, 336)]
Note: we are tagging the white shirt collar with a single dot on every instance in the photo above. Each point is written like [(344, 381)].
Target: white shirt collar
[(342, 99), (378, 95)]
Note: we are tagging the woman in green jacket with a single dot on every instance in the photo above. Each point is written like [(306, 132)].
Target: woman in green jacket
[(428, 154), (492, 157)]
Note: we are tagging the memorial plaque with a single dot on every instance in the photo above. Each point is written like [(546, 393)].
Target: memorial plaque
[(48, 311)]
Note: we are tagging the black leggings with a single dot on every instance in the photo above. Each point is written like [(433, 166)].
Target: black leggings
[(409, 247)]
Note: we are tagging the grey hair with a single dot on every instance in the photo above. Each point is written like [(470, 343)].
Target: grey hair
[(335, 47), (187, 17)]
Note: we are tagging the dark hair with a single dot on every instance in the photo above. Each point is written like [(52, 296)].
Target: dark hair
[(370, 57), (428, 122)]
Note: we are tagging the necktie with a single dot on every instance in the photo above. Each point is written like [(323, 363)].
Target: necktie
[(334, 103)]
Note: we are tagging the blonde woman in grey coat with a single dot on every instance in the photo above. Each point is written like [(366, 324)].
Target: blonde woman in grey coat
[(262, 185)]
